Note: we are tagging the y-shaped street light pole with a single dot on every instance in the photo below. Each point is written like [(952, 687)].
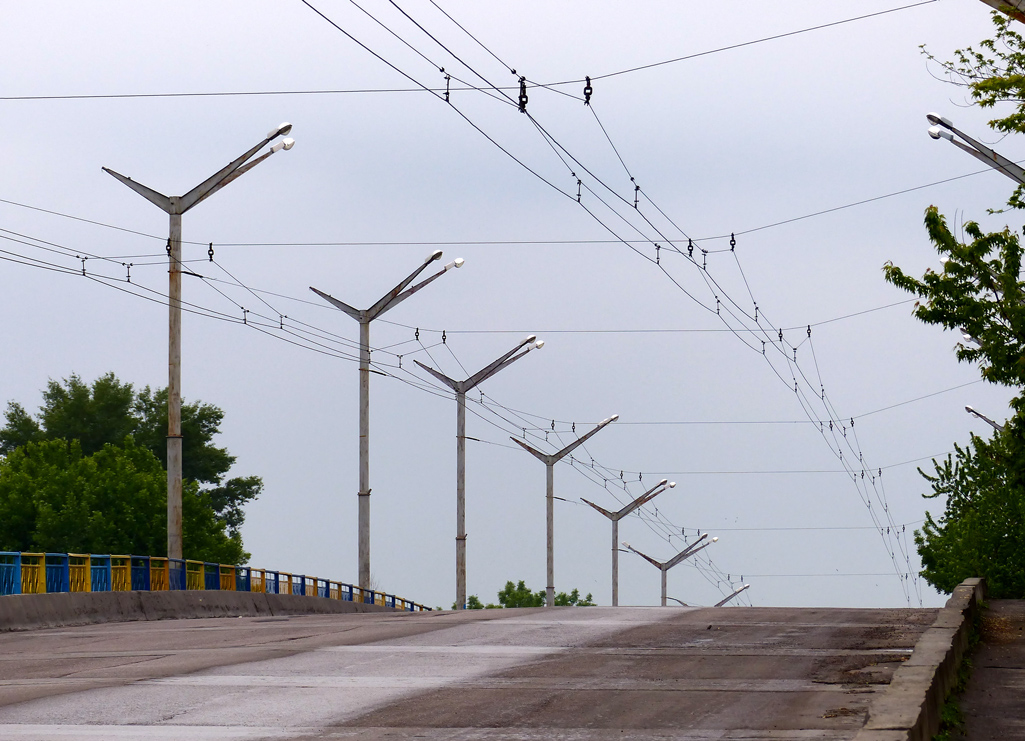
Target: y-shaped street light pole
[(461, 387), (550, 460), (175, 206), (393, 298), (722, 602), (616, 517), (942, 128), (681, 556)]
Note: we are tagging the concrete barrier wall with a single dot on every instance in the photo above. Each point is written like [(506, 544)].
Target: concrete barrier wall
[(909, 709), (30, 611)]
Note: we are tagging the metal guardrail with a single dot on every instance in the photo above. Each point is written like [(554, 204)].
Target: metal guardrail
[(45, 573)]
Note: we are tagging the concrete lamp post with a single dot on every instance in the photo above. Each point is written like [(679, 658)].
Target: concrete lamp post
[(942, 128), (390, 300), (678, 558), (461, 387), (175, 206), (722, 602), (550, 460), (616, 517), (984, 418)]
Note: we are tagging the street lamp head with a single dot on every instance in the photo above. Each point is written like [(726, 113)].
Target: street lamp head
[(436, 255), (529, 339), (457, 263), (937, 120), (663, 482), (672, 484), (937, 133), (613, 418), (282, 130), (970, 410), (539, 344), (285, 144)]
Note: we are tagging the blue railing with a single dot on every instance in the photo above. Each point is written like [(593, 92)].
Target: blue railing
[(41, 573)]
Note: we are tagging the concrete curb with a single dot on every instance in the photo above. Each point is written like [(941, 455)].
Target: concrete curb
[(909, 708), (33, 611)]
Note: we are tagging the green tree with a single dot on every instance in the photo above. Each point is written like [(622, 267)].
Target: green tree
[(107, 411), (980, 293), (982, 528), (519, 595), (55, 497)]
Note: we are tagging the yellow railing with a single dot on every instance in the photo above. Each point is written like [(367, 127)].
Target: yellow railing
[(159, 574), (195, 575), (33, 573), (227, 574), (41, 573), (80, 572)]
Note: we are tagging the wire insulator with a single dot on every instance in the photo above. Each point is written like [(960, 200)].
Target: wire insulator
[(587, 91), (210, 252), (523, 95)]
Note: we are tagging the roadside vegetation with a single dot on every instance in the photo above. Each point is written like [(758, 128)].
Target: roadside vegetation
[(87, 474), (978, 292)]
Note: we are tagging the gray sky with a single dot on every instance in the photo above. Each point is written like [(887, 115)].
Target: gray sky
[(721, 143)]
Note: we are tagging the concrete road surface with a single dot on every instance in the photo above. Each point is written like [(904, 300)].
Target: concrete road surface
[(993, 702), (566, 673)]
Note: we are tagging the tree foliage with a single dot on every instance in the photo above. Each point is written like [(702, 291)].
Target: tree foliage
[(982, 529), (994, 73), (519, 595), (107, 430), (980, 293), (54, 497)]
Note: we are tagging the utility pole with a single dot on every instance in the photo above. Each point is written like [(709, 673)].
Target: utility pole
[(175, 206), (393, 298), (616, 517), (678, 558), (550, 460), (461, 387)]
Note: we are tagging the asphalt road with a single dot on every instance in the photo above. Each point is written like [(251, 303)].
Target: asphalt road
[(566, 673)]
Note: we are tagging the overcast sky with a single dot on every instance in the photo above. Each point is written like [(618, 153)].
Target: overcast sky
[(730, 141)]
